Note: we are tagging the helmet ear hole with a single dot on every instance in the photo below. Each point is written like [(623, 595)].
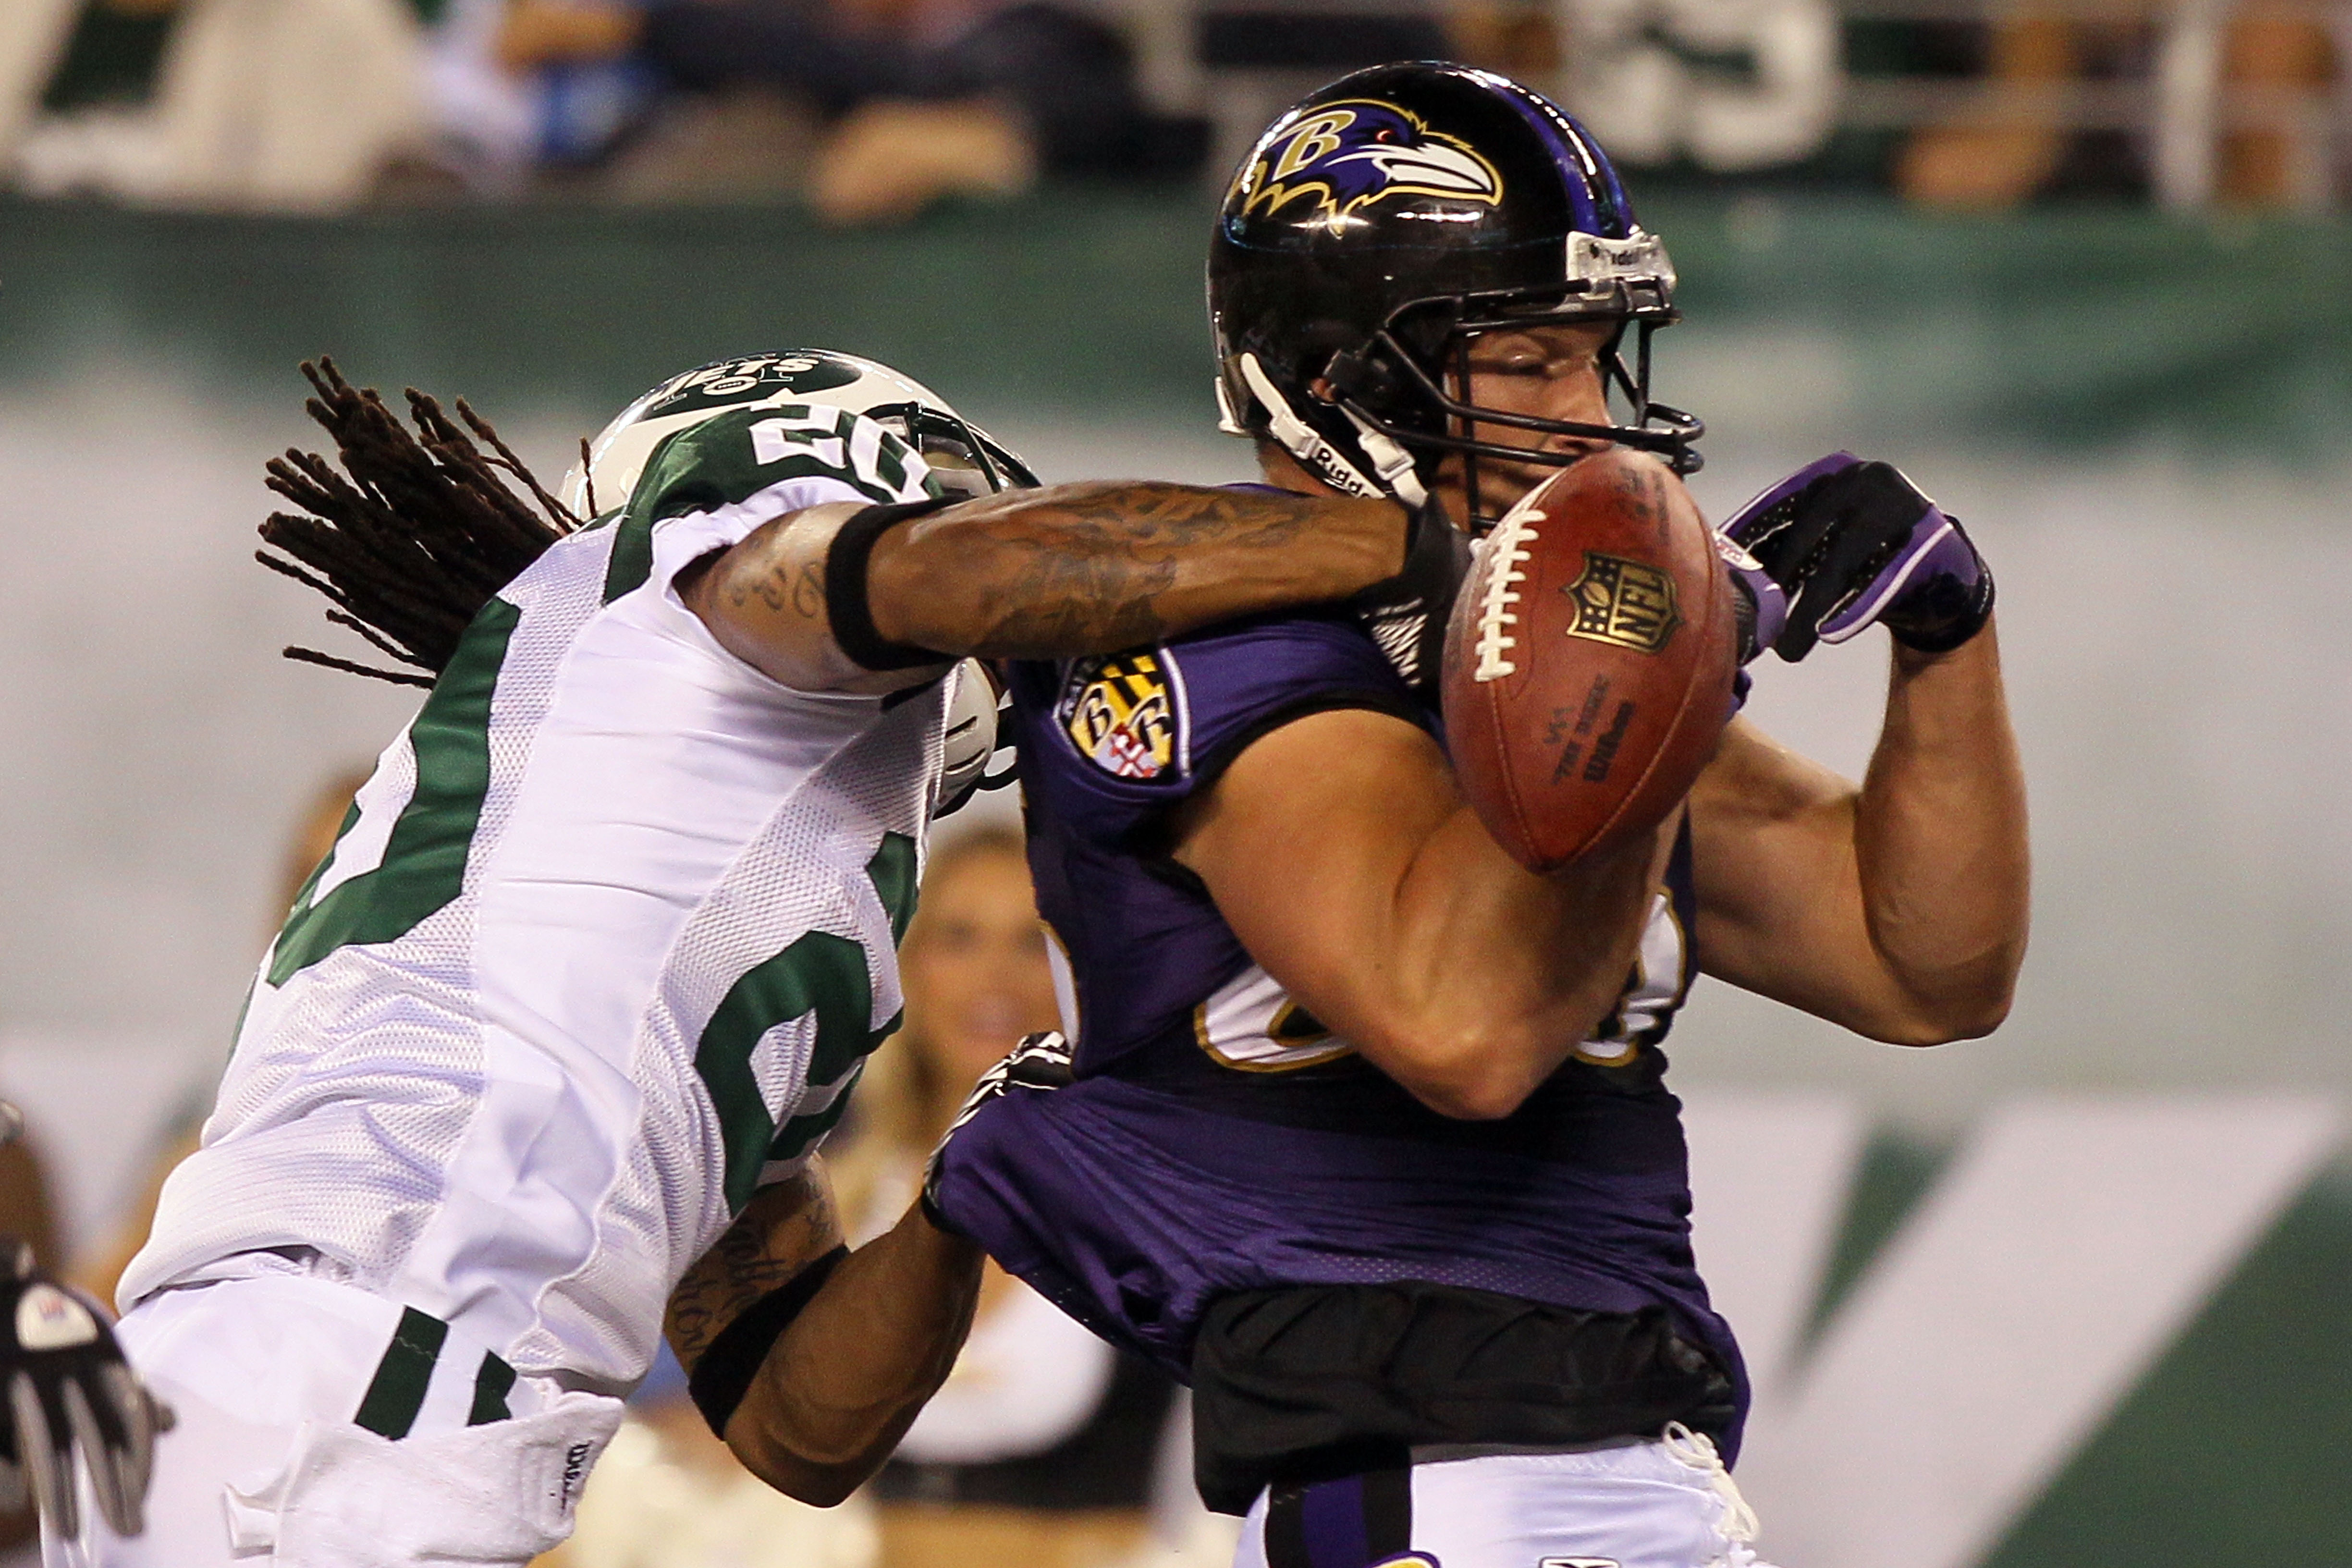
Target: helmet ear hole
[(1353, 374), (1370, 377)]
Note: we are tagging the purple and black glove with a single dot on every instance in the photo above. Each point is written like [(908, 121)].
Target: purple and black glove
[(1040, 1062), (1841, 543)]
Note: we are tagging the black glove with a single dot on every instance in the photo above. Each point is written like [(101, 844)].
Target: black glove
[(70, 1388), (1845, 543), (1040, 1061), (1406, 613)]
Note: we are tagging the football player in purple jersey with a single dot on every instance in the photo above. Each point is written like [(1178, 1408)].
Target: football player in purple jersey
[(1364, 1128)]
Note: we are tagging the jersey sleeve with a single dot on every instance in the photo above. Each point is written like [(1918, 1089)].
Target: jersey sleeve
[(1117, 742)]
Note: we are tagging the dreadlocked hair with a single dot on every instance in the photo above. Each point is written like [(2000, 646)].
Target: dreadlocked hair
[(425, 529)]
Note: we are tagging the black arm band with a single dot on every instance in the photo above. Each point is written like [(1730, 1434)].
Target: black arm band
[(723, 1376), (845, 588)]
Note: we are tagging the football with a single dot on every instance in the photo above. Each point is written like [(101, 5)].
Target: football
[(1589, 659)]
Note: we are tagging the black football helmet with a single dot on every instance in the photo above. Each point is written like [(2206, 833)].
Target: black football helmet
[(1378, 228)]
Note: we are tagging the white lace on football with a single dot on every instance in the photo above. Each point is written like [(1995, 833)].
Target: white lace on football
[(1738, 1524), (1506, 551)]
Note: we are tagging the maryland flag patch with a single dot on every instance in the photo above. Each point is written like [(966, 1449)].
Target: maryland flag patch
[(1124, 715)]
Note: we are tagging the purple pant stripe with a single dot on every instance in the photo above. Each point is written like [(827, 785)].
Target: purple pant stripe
[(1332, 1518)]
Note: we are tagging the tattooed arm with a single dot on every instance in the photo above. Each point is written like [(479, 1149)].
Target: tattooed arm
[(840, 1386), (1073, 569)]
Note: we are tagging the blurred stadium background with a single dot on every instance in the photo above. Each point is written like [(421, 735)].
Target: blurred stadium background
[(2077, 1294)]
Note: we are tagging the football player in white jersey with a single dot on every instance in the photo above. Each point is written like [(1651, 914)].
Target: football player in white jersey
[(552, 1035)]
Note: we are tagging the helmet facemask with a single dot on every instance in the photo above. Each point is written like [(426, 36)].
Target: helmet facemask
[(1395, 385), (965, 461)]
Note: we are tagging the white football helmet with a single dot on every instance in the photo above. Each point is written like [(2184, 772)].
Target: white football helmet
[(963, 459)]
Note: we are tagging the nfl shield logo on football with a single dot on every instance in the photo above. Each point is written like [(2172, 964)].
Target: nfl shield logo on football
[(1628, 603)]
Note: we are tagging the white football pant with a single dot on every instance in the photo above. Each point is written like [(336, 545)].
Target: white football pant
[(459, 1460), (1664, 1504)]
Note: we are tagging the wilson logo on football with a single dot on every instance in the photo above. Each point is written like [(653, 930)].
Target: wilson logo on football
[(1623, 602), (1350, 154), (1122, 715)]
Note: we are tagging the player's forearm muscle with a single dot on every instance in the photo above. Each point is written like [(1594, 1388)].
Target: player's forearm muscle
[(846, 1379), (1898, 908), (840, 1387), (1940, 838), (1096, 567), (785, 1228), (1341, 854)]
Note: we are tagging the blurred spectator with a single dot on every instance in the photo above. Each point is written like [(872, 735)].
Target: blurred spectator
[(517, 85), (927, 99), (1732, 85), (2274, 50), (1039, 1451), (1329, 41), (275, 104), (1520, 40), (2020, 145)]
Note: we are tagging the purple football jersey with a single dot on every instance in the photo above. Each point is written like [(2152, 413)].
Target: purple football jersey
[(1218, 1138)]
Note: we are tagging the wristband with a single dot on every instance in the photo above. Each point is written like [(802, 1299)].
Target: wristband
[(723, 1376), (845, 588)]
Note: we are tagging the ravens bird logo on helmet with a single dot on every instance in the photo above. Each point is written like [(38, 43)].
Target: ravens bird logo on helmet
[(1350, 155)]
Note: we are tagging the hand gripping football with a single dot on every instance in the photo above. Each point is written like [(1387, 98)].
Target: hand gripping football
[(1588, 661)]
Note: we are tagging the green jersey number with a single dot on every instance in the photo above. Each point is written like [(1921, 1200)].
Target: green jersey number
[(423, 863), (820, 972)]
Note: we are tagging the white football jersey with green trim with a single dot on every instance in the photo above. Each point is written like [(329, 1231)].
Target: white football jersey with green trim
[(600, 949)]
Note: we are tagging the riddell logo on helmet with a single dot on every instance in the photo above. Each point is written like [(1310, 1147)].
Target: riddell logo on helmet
[(1347, 155)]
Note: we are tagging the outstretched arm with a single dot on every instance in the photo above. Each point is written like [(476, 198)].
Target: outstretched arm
[(1054, 572), (837, 1388), (1898, 908)]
